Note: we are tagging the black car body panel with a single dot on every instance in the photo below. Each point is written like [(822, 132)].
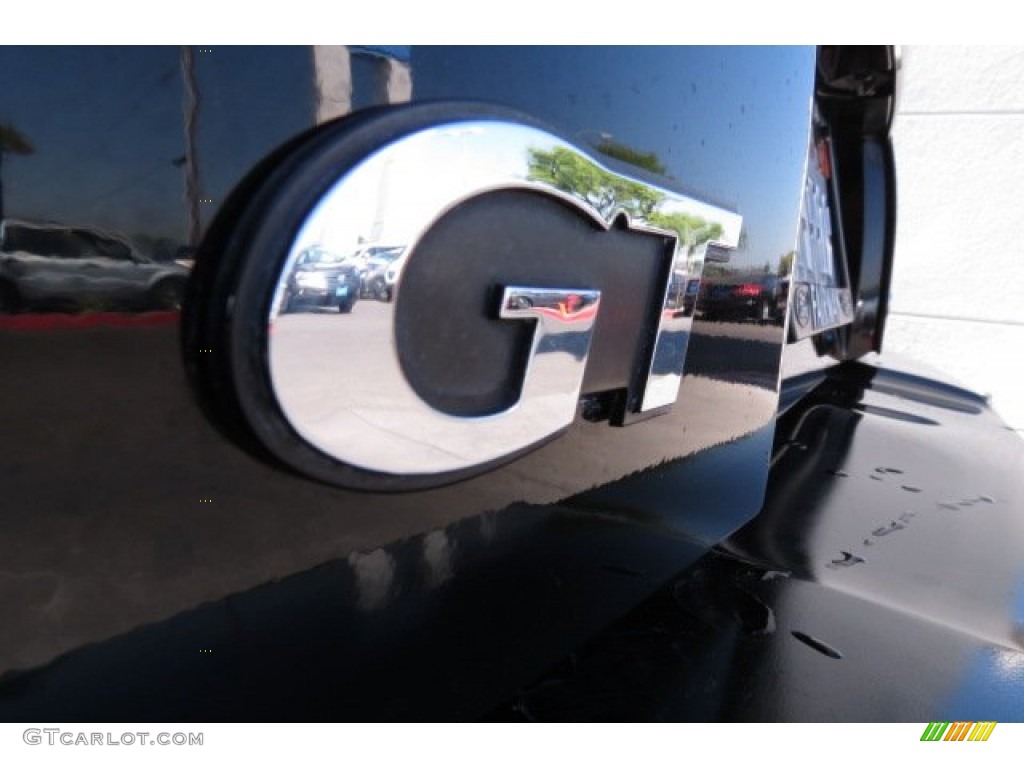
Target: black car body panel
[(159, 565)]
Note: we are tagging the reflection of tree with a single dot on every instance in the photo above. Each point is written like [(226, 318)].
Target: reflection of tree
[(646, 160), (12, 142), (786, 264), (607, 192), (692, 230)]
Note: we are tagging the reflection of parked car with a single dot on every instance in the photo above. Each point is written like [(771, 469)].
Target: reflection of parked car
[(380, 284), (676, 286), (682, 292), (754, 298), (782, 298), (321, 279), (375, 261), (57, 267), (690, 295)]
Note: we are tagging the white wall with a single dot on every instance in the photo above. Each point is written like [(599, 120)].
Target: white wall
[(958, 281)]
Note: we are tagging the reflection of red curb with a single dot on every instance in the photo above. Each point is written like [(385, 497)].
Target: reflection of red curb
[(589, 313), (56, 321)]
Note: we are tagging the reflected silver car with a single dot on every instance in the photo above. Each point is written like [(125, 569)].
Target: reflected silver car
[(56, 267)]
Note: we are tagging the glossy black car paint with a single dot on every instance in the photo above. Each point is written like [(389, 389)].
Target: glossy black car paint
[(154, 571), (880, 582)]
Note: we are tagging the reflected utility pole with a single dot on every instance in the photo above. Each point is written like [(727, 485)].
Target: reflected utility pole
[(190, 107)]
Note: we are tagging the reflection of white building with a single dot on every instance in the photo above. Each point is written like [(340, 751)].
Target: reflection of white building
[(384, 205), (392, 84)]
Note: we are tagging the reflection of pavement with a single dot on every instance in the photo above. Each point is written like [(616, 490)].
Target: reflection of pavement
[(320, 349), (738, 352), (338, 381), (747, 331), (339, 372)]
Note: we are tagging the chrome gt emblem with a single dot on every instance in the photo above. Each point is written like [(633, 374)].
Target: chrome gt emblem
[(450, 295)]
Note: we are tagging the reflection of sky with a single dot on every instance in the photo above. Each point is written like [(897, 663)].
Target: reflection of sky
[(394, 195), (107, 123), (252, 100), (992, 686), (730, 125), (108, 128), (383, 204)]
